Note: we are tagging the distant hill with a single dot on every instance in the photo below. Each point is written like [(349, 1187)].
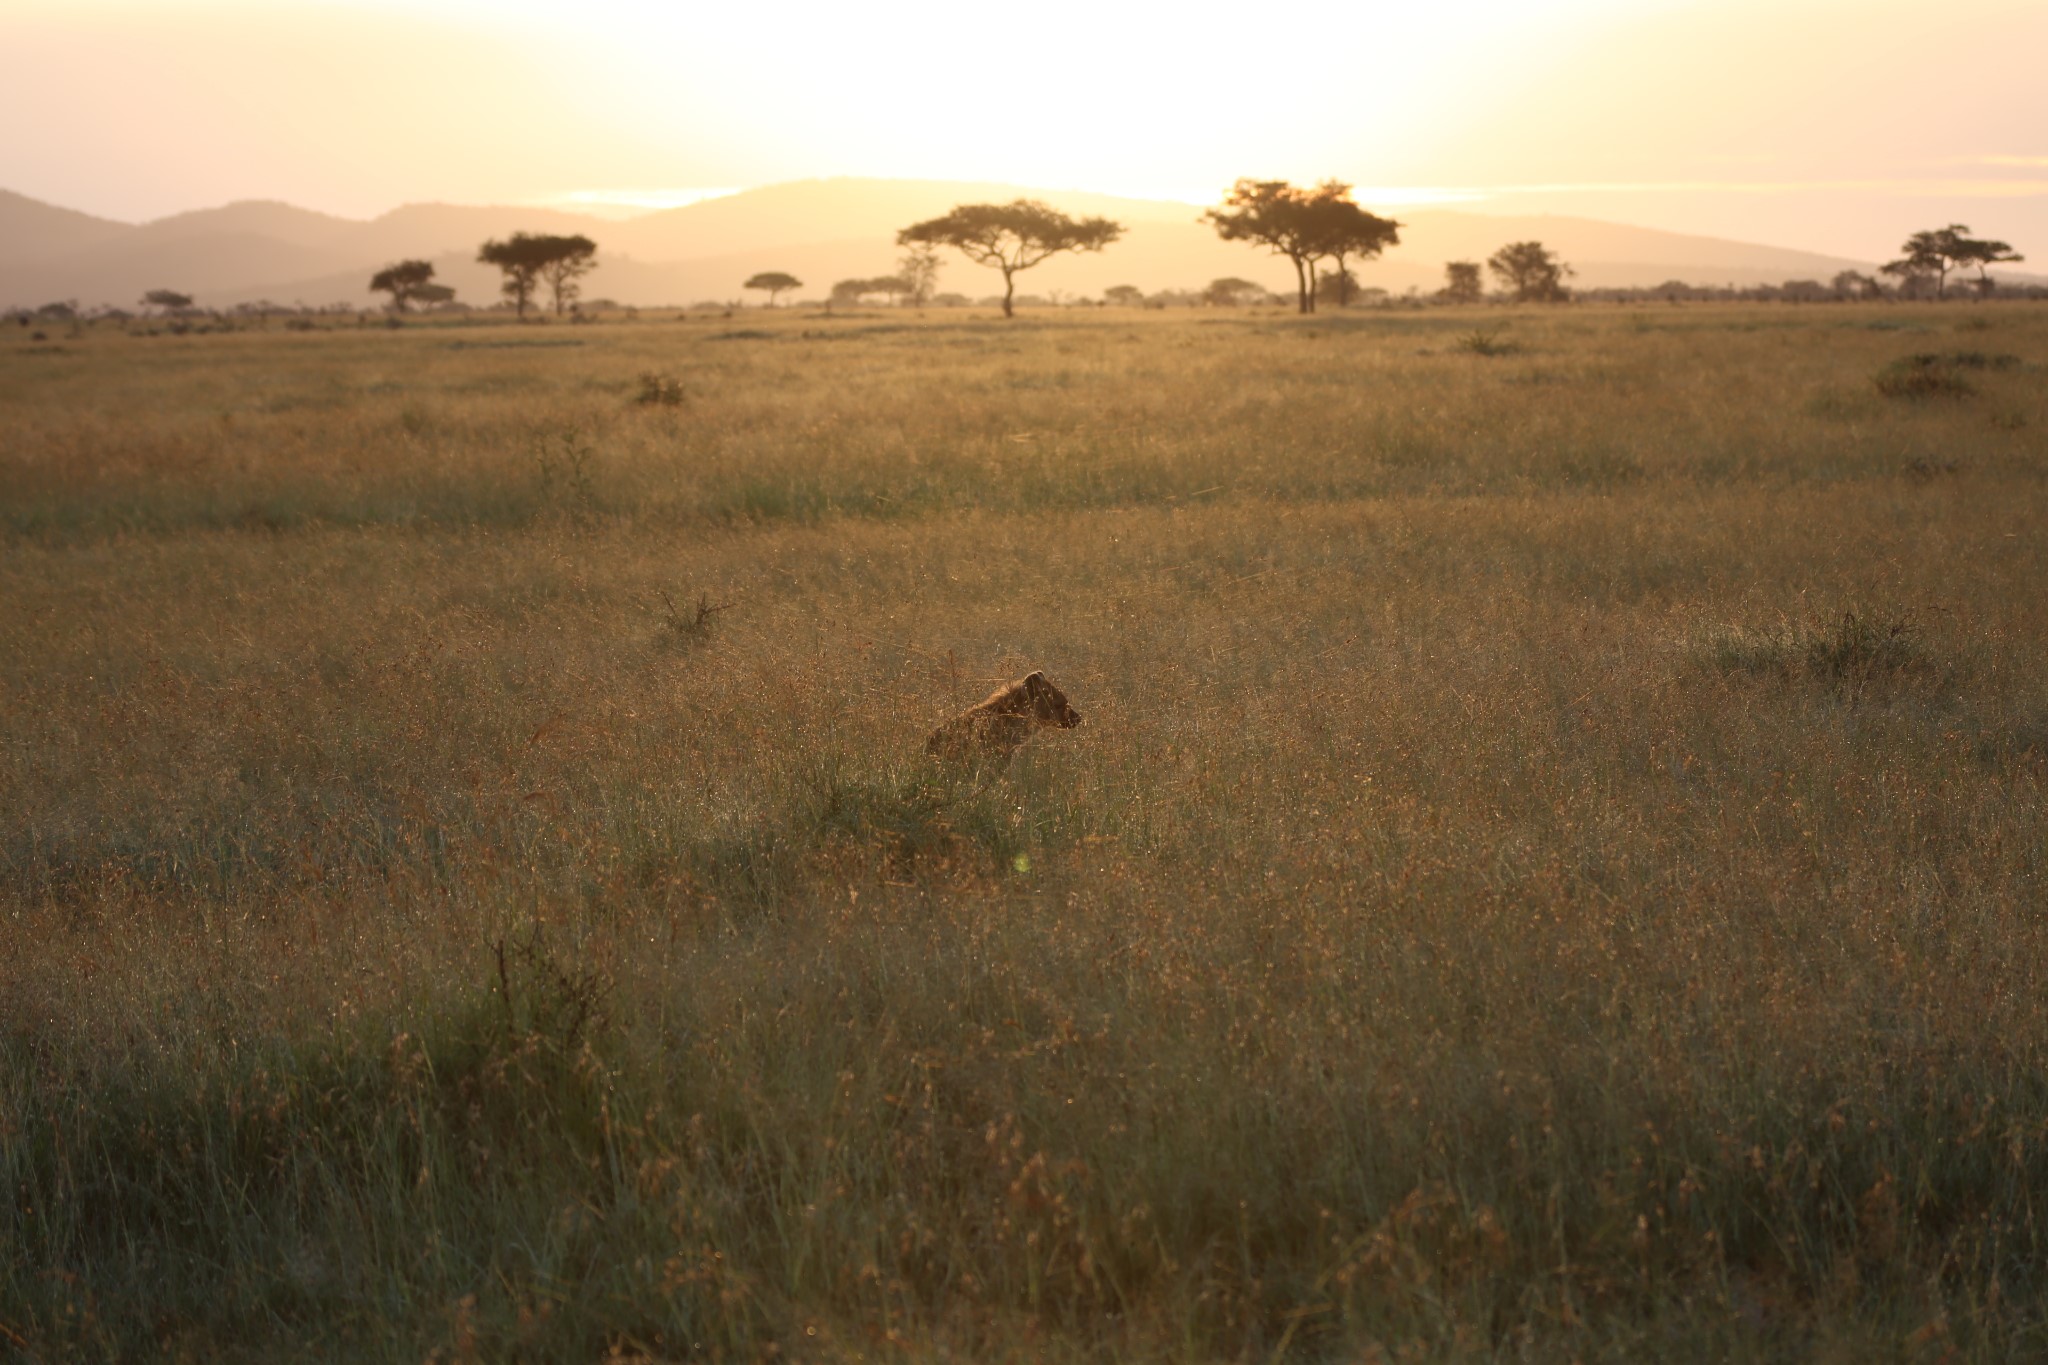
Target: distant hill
[(805, 212), (818, 230), (31, 230), (249, 219)]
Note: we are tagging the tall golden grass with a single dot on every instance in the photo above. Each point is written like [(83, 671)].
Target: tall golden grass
[(1554, 867)]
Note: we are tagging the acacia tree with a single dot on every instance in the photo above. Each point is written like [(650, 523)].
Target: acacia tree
[(1344, 230), (520, 259), (1339, 286), (567, 261), (1937, 251), (1931, 253), (919, 268), (403, 282), (850, 293), (1953, 248), (1532, 270), (1232, 292), (1461, 282), (1268, 212), (1124, 295), (1921, 263), (1011, 237), (530, 259), (773, 282), (1304, 225), (170, 300)]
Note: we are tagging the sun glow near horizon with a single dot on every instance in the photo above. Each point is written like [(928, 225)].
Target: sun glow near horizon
[(1811, 111)]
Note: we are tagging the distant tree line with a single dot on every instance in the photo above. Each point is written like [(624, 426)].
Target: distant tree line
[(1320, 230), (527, 260)]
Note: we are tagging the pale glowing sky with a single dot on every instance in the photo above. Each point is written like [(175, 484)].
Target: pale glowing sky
[(1809, 123)]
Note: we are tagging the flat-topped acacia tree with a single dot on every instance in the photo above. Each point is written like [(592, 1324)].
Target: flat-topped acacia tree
[(773, 282), (1011, 237), (403, 282), (1304, 225), (1938, 251), (1532, 270), (527, 259)]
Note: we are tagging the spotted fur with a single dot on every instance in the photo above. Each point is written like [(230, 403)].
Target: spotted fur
[(991, 732)]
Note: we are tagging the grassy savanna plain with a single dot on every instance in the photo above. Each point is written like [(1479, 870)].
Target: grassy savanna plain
[(1553, 867)]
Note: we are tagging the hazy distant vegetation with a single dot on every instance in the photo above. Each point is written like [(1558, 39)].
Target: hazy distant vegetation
[(1552, 869), (1320, 230)]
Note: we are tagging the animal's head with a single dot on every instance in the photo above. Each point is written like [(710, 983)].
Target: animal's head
[(1049, 705)]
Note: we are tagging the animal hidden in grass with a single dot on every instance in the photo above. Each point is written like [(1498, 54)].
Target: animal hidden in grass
[(987, 734)]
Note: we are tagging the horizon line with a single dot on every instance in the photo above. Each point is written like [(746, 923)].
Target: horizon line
[(625, 203)]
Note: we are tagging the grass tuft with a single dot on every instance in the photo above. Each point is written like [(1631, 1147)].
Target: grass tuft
[(1846, 652), (1937, 374), (658, 390), (1481, 341)]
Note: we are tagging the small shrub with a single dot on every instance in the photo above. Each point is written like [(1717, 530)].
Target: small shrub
[(1978, 360), (1842, 653), (1936, 374), (1860, 647), (1922, 376), (542, 995), (689, 626), (659, 390), (1921, 469), (1483, 342), (566, 467)]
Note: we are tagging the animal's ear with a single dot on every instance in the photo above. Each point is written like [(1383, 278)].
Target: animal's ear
[(1035, 684)]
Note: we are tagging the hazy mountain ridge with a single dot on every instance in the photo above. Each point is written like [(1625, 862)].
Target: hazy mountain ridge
[(819, 230), (31, 229)]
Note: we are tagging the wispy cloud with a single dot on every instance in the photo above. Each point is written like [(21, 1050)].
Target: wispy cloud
[(1916, 188)]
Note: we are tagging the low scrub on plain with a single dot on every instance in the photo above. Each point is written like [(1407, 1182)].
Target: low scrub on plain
[(1483, 342), (471, 887), (1845, 650), (1938, 374)]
